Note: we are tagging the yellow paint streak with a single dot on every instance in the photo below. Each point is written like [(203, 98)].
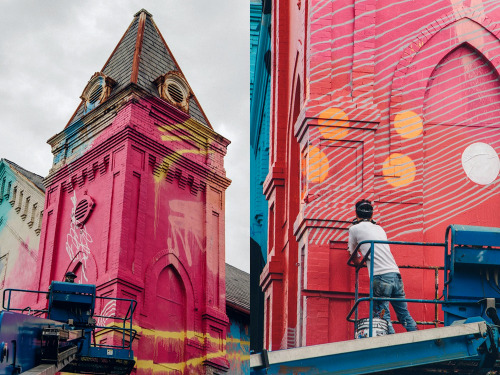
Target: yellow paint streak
[(181, 336), (178, 335), (194, 152), (181, 132), (149, 364), (234, 355), (237, 341)]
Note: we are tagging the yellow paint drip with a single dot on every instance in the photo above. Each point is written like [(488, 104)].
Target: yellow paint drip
[(184, 135), (192, 362)]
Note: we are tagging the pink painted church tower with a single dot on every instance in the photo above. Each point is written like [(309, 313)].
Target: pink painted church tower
[(135, 204)]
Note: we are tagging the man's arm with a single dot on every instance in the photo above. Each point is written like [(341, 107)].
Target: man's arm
[(357, 259), (351, 246)]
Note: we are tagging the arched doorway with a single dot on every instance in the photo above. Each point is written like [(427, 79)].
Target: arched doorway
[(170, 320)]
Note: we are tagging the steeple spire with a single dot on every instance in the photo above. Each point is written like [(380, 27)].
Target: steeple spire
[(143, 11), (142, 58)]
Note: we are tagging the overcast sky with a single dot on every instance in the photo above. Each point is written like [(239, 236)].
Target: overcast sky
[(50, 49)]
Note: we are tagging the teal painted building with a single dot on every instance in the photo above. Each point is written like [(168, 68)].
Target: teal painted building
[(22, 197), (260, 85)]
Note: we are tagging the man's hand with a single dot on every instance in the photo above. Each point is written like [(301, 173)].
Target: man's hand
[(357, 259)]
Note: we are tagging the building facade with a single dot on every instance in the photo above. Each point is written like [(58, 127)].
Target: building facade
[(21, 211), (135, 203), (19, 238), (396, 102), (260, 54)]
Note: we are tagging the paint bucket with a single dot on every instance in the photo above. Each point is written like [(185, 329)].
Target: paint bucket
[(380, 327)]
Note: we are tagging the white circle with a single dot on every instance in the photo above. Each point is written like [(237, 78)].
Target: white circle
[(481, 163)]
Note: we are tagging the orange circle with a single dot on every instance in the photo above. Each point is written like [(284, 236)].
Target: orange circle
[(303, 166), (318, 165), (408, 124), (399, 170), (333, 123)]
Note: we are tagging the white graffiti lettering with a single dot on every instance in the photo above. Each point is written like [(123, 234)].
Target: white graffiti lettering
[(77, 242)]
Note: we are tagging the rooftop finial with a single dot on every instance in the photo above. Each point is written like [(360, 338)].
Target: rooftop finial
[(143, 11)]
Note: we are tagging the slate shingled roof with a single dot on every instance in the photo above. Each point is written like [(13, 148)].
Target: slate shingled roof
[(34, 178), (237, 288), (140, 57)]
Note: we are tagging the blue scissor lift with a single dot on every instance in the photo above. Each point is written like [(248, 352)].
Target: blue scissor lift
[(467, 344), (65, 339)]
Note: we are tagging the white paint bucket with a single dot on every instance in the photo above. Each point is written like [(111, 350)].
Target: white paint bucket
[(380, 328)]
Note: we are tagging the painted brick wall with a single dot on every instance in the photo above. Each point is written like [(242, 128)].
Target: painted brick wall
[(389, 101), (238, 344), (21, 208), (156, 231)]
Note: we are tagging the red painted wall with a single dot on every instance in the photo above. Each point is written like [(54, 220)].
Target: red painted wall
[(156, 233), (389, 101)]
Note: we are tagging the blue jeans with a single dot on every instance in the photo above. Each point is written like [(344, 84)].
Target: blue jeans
[(390, 285)]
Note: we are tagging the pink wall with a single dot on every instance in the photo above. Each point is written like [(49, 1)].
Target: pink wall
[(158, 184), (390, 101)]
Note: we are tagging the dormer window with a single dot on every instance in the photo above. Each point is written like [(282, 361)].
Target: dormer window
[(97, 91), (174, 89)]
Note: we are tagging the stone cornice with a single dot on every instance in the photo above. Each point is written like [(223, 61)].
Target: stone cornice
[(91, 125), (275, 177), (273, 271), (128, 133), (160, 108), (100, 118)]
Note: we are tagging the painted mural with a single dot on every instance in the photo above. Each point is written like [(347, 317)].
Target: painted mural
[(400, 105), (21, 207), (172, 339), (78, 242), (238, 346), (135, 204)]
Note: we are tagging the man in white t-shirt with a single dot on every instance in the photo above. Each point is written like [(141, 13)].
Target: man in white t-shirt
[(387, 281)]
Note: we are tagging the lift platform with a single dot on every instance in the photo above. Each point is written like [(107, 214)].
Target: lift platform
[(439, 347), (467, 344), (65, 338)]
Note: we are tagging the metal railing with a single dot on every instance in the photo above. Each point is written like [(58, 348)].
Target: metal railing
[(8, 292), (132, 333), (126, 322), (371, 299)]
